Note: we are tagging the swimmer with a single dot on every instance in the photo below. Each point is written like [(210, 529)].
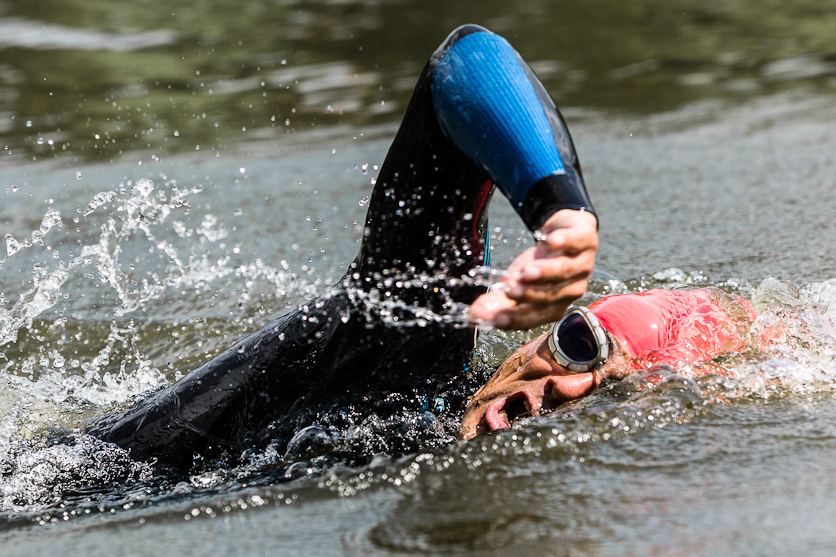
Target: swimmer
[(478, 119), (610, 339)]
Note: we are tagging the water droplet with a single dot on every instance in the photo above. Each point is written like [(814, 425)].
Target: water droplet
[(143, 187), (78, 175), (98, 200), (12, 245), (210, 230), (51, 218), (14, 187), (58, 360), (364, 201), (176, 133)]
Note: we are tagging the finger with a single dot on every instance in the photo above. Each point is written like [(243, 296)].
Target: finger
[(487, 306), (559, 268), (570, 229), (572, 240), (496, 309), (568, 291), (528, 316), (520, 261), (514, 272)]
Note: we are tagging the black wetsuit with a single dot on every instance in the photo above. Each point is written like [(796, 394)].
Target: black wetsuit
[(366, 340)]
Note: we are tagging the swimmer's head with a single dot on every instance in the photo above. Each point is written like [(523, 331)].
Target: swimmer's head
[(537, 379)]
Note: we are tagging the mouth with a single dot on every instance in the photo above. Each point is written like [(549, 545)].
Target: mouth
[(503, 412)]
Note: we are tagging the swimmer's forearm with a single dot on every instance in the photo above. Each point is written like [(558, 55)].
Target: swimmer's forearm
[(492, 107)]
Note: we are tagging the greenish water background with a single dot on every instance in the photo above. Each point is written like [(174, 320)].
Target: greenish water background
[(154, 79)]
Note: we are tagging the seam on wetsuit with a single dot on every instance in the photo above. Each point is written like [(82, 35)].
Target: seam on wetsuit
[(178, 419)]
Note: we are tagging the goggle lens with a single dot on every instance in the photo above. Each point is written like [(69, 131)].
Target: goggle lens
[(576, 339)]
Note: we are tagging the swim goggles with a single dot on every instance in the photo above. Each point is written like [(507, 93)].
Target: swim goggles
[(578, 341)]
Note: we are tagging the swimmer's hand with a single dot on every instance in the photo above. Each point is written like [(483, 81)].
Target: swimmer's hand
[(543, 281)]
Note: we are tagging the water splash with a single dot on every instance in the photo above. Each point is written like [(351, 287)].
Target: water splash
[(45, 476), (33, 302), (51, 219), (50, 359), (98, 200)]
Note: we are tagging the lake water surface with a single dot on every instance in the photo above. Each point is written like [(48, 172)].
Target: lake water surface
[(174, 175)]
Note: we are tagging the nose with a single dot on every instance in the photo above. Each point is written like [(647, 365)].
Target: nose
[(563, 388)]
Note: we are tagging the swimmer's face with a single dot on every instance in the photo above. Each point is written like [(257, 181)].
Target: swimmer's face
[(531, 383)]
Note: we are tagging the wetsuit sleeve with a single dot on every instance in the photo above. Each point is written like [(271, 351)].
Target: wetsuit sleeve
[(491, 107)]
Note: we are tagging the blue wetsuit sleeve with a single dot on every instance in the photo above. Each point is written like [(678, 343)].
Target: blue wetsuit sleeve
[(487, 105)]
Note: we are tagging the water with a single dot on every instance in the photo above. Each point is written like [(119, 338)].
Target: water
[(706, 137)]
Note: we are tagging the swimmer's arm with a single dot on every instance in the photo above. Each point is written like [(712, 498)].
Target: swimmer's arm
[(491, 106), (543, 281)]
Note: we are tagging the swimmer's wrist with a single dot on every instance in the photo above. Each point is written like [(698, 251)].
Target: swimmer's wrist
[(552, 194)]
